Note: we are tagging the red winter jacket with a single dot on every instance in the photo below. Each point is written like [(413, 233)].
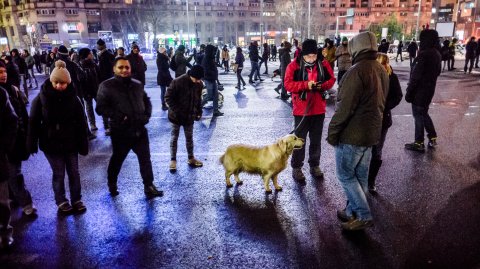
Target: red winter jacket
[(296, 87)]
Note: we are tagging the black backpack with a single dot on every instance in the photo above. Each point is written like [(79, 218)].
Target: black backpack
[(173, 64)]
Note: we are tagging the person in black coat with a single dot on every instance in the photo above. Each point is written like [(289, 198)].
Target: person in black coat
[(471, 50), (89, 84), (210, 78), (384, 46), (124, 101), (19, 153), (163, 76), (184, 102), (421, 88), (394, 97), (254, 57), (399, 51), (477, 53), (8, 131), (264, 59), (59, 127), (139, 67), (412, 50), (12, 71)]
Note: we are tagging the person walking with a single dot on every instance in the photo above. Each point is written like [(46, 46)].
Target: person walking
[(38, 63), (58, 126), (329, 53), (264, 59), (308, 78), (163, 76), (394, 97), (399, 51), (452, 48), (105, 65), (225, 58), (16, 181), (43, 61), (124, 101), (412, 51), (421, 88), (273, 52), (138, 65), (445, 54), (12, 72), (184, 107), (22, 69), (210, 78), (356, 126), (384, 46), (89, 84), (254, 57), (285, 60), (344, 59), (471, 50), (8, 131), (239, 60)]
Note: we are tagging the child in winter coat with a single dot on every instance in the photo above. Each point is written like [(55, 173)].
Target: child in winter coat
[(58, 125)]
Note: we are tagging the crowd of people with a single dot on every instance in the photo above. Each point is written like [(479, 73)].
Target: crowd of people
[(62, 115)]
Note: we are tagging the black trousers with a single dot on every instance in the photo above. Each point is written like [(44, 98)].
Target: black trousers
[(121, 147), (313, 126)]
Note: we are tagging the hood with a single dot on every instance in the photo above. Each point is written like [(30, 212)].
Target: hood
[(362, 43), (210, 51)]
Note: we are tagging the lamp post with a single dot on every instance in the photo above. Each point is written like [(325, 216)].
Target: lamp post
[(262, 26), (188, 27), (309, 22), (418, 18)]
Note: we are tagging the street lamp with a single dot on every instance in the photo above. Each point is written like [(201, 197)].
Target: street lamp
[(188, 27), (418, 18), (309, 22)]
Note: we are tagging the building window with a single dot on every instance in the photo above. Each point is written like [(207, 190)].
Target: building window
[(332, 5), (72, 27), (220, 14), (45, 11), (198, 14), (241, 4), (71, 11), (94, 27), (241, 14), (322, 5), (208, 3), (230, 14), (196, 3), (254, 4), (241, 27), (49, 27), (255, 14), (208, 14), (93, 12), (91, 1)]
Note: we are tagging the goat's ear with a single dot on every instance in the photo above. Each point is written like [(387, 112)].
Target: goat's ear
[(283, 145)]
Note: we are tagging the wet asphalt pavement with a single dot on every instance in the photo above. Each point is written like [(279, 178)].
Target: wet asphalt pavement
[(426, 212)]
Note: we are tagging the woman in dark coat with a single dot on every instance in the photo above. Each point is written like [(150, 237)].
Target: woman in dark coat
[(163, 76), (239, 59), (58, 125), (393, 99)]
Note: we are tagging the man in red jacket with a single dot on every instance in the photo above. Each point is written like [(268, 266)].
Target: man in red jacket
[(308, 78)]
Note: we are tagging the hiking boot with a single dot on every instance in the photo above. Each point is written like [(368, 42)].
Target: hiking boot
[(297, 174), (29, 210), (65, 208), (316, 172), (432, 142), (356, 224), (79, 207), (194, 163), (415, 146), (343, 217), (152, 191)]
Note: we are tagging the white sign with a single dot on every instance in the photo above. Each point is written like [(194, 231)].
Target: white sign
[(289, 33), (3, 41), (384, 32)]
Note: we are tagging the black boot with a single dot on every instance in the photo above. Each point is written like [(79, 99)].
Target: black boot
[(372, 174)]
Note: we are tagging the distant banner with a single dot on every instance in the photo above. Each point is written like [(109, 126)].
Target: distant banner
[(106, 36)]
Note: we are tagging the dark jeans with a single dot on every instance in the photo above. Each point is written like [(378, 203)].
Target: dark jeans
[(188, 130), (16, 183), (260, 65), (163, 89), (313, 126), (239, 77), (422, 122), (121, 147), (412, 58), (401, 57), (225, 64), (451, 62), (59, 163), (340, 75), (476, 60), (6, 230), (467, 60), (255, 71), (377, 149), (212, 93)]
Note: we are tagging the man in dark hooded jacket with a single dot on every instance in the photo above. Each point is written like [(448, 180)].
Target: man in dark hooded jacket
[(421, 88), (139, 67), (356, 127), (210, 78)]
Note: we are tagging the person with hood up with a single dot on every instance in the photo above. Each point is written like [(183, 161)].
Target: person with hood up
[(384, 46), (421, 88), (181, 62), (471, 50), (138, 65), (210, 78), (344, 59), (308, 78), (105, 64), (356, 126), (163, 76), (58, 125), (184, 102)]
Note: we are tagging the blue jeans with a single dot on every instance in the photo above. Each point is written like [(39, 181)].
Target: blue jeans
[(352, 172), (163, 89), (59, 163), (212, 93), (422, 122), (255, 71)]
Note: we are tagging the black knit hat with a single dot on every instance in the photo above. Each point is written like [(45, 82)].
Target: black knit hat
[(2, 64), (83, 53), (309, 46), (196, 72), (62, 50), (100, 42)]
